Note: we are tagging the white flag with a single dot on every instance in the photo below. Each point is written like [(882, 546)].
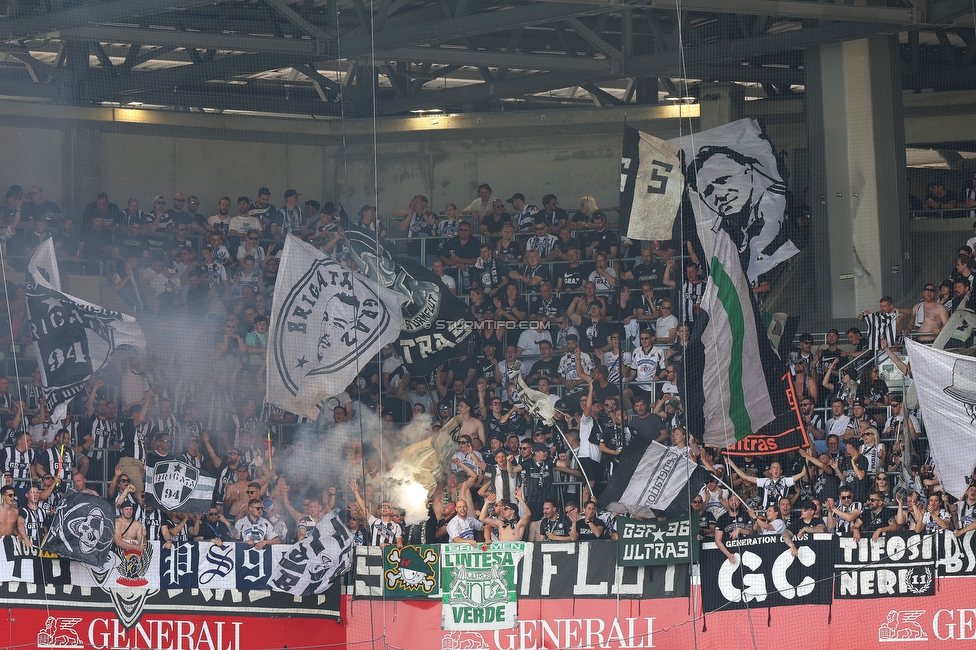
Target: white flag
[(327, 321), (737, 401), (946, 386), (657, 192), (73, 339), (658, 480)]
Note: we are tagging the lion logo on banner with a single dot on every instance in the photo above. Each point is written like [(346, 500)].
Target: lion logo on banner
[(902, 626)]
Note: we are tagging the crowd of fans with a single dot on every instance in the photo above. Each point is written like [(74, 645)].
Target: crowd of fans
[(598, 322)]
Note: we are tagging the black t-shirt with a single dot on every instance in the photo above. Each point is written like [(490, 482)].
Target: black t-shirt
[(653, 273), (583, 531), (705, 520), (493, 223), (648, 427), (871, 522), (95, 242), (594, 334), (728, 522), (604, 240), (538, 480), (468, 250), (573, 277), (131, 245), (545, 368), (794, 524), (560, 527)]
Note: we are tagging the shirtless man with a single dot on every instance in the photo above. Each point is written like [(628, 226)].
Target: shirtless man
[(510, 528), (238, 494), (471, 425), (130, 534), (11, 523), (933, 318)]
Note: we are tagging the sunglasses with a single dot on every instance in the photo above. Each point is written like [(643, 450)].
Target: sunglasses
[(124, 480), (697, 501), (846, 497)]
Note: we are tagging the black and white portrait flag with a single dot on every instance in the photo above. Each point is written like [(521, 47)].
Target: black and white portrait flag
[(326, 323), (73, 339), (82, 529)]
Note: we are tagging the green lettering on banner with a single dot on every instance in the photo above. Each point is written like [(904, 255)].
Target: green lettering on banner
[(478, 585), (642, 543)]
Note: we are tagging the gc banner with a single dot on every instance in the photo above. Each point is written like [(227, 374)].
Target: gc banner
[(641, 543), (479, 586), (902, 563), (765, 573)]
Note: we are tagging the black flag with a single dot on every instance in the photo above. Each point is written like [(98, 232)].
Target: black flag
[(82, 529), (436, 323)]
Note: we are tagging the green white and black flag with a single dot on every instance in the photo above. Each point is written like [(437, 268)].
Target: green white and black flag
[(73, 339)]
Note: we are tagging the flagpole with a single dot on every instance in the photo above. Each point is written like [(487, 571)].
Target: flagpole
[(13, 353), (579, 464)]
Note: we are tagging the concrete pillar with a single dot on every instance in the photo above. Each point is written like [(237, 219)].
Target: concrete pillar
[(856, 135), (721, 103), (83, 164)]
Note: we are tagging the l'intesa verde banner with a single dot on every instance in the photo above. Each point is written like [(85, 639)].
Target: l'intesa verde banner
[(478, 583)]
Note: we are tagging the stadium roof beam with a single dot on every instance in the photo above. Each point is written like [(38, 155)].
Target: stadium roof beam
[(791, 9), (946, 11), (198, 40), (41, 23)]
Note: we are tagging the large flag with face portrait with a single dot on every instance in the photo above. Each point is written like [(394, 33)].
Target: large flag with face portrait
[(82, 529), (73, 339), (735, 182), (946, 386), (327, 322)]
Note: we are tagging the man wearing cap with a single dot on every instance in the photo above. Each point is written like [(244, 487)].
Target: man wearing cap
[(509, 526), (807, 523), (714, 496), (859, 415), (176, 214), (603, 240), (803, 354), (900, 418), (290, 219), (130, 534), (927, 316), (278, 522), (524, 214), (538, 477)]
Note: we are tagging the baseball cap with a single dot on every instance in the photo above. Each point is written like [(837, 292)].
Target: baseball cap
[(291, 193), (897, 398), (806, 337), (366, 208), (158, 197), (519, 195), (540, 446)]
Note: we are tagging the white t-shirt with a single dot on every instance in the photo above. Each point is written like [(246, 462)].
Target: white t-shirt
[(646, 364), (449, 282), (663, 327), (778, 527), (245, 224), (463, 528), (529, 341)]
